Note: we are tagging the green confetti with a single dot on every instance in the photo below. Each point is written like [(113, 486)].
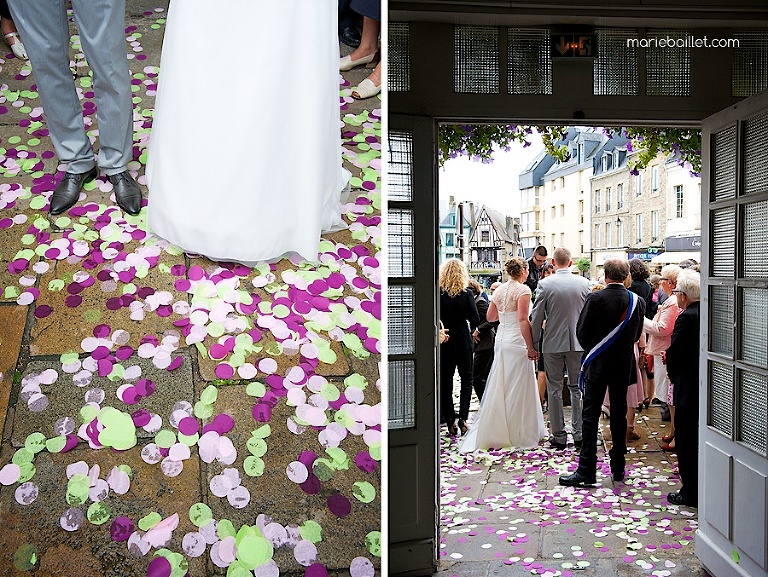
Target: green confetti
[(255, 389), (99, 513), (25, 557), (262, 432), (253, 466), (323, 469), (77, 489), (165, 439), (28, 471), (35, 443), (200, 514), (373, 542), (225, 528), (209, 395), (149, 521), (365, 492), (256, 446), (253, 550), (735, 556), (22, 456), (311, 531), (203, 410), (56, 444)]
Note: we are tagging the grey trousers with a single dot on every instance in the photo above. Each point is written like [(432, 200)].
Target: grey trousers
[(554, 365), (44, 26)]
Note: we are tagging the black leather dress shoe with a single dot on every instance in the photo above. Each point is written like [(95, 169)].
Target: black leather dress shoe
[(350, 36), (556, 445), (678, 499), (67, 192), (577, 444), (577, 480), (127, 192), (618, 476)]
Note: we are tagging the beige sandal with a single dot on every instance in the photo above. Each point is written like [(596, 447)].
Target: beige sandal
[(366, 89), (16, 47)]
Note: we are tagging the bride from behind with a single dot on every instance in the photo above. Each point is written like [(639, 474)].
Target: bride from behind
[(510, 413)]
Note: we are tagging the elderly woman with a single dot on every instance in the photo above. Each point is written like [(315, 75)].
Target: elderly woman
[(659, 330), (457, 308), (683, 371)]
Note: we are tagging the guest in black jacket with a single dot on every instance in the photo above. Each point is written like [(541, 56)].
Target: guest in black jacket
[(612, 369), (640, 285), (683, 371), (457, 308), (483, 337)]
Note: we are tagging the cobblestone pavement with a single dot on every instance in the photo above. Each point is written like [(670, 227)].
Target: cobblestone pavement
[(164, 414), (503, 512)]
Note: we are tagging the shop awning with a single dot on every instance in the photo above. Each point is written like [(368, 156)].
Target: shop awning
[(673, 257)]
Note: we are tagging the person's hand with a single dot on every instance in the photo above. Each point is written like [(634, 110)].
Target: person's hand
[(444, 336), (642, 361), (664, 358), (533, 354), (476, 336)]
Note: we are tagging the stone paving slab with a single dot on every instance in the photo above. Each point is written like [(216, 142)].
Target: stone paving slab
[(65, 398), (274, 494), (12, 322), (64, 329), (90, 550)]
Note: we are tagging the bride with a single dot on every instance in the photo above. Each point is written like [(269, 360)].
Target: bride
[(510, 412)]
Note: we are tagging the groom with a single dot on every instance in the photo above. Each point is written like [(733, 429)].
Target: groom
[(559, 299), (44, 26)]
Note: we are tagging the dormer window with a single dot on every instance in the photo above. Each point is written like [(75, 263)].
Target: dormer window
[(580, 154), (604, 161)]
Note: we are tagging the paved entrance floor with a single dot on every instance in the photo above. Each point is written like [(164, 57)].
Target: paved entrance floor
[(503, 512), (164, 414)]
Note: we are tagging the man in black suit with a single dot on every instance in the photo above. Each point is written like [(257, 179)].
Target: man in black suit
[(535, 264), (483, 337), (612, 368), (683, 371)]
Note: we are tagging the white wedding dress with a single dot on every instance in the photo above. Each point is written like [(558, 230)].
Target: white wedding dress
[(510, 412), (245, 150)]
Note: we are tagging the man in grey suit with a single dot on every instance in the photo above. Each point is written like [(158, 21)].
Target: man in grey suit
[(44, 25), (559, 300)]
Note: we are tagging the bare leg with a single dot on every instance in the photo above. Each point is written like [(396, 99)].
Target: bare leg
[(631, 434), (542, 384), (369, 42)]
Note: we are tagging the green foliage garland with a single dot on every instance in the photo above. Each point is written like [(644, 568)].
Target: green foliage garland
[(478, 141)]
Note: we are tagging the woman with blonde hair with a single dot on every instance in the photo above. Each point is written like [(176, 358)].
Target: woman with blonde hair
[(510, 413), (457, 308)]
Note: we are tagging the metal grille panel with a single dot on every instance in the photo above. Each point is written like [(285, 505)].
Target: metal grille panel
[(401, 331), (754, 326), (402, 394), (724, 164), (721, 398), (615, 69), (400, 166), (400, 243), (399, 58), (530, 61), (723, 256), (755, 154), (755, 239), (753, 404), (668, 69), (476, 59), (721, 320), (750, 63)]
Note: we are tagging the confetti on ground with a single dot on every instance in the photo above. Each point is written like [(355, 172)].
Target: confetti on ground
[(148, 369), (505, 506)]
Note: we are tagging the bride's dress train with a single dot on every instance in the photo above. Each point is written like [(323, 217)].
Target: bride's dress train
[(249, 167)]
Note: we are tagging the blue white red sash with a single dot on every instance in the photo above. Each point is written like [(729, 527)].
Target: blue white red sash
[(608, 340)]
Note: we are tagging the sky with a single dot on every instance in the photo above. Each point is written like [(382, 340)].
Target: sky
[(494, 185)]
